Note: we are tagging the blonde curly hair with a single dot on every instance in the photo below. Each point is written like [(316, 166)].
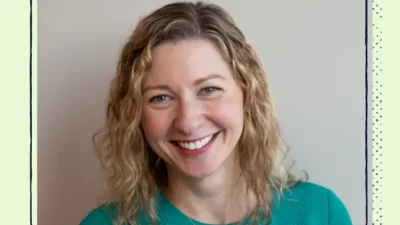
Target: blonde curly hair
[(133, 171)]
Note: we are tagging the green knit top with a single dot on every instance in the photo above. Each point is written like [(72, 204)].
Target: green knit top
[(305, 204)]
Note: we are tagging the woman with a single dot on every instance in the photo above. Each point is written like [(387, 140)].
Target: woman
[(191, 134)]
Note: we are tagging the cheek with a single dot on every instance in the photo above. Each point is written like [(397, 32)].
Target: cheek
[(227, 112), (154, 124)]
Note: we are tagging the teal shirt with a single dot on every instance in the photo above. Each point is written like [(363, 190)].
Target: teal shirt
[(305, 204)]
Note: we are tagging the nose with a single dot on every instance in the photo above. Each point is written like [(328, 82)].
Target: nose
[(188, 117)]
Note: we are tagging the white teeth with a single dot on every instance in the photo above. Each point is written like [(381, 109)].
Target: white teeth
[(196, 144)]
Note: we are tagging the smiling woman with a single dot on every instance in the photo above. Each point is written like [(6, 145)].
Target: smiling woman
[(191, 135)]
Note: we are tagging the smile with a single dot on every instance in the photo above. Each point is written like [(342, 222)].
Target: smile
[(197, 144)]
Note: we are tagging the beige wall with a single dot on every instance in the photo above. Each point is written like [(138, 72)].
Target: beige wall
[(313, 52)]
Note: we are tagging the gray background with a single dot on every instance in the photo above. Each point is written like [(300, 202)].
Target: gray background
[(312, 51)]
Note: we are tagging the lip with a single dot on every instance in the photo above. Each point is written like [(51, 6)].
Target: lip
[(199, 151)]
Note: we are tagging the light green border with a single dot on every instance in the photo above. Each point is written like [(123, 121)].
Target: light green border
[(377, 88), (14, 119), (389, 61), (385, 96)]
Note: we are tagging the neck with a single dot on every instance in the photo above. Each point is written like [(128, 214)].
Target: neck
[(216, 199)]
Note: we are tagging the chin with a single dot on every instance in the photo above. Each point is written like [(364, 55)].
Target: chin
[(201, 174), (206, 170)]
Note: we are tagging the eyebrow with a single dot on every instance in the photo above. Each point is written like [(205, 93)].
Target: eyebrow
[(212, 76), (196, 82)]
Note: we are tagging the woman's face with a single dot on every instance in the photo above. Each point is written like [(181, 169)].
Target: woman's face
[(193, 107)]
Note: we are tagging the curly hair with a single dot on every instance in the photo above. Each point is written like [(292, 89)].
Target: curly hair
[(133, 171)]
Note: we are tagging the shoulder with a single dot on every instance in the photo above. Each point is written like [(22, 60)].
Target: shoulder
[(314, 203), (103, 215), (309, 189), (317, 194)]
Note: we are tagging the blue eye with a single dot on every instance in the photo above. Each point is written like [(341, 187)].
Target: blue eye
[(209, 90), (159, 98)]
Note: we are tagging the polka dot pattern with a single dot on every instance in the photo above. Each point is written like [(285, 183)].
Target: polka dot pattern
[(377, 167)]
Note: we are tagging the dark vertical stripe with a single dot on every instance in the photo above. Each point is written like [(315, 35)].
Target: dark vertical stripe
[(30, 113), (366, 112)]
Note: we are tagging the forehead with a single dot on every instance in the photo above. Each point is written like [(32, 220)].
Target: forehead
[(189, 59)]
